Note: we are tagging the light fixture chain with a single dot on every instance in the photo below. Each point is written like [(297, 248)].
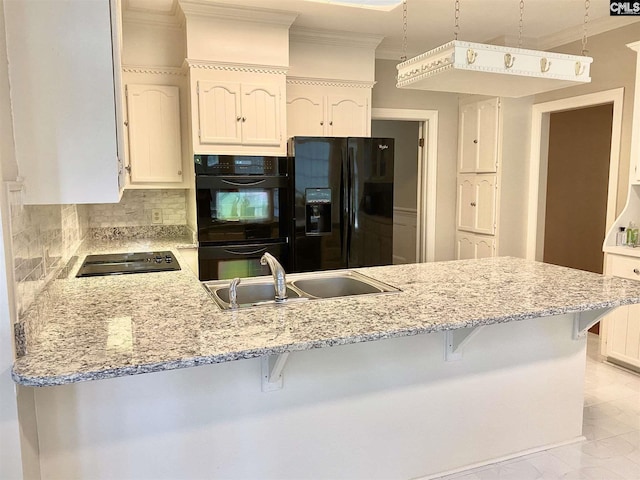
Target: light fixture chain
[(457, 20), (404, 31), (587, 4), (520, 25)]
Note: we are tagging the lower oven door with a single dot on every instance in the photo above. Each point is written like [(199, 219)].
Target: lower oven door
[(223, 262)]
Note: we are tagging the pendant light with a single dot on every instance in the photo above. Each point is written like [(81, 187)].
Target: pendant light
[(478, 68)]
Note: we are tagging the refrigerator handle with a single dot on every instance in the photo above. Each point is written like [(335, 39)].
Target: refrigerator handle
[(342, 210), (349, 193)]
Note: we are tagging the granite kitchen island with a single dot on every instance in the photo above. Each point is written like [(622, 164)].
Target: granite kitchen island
[(469, 362)]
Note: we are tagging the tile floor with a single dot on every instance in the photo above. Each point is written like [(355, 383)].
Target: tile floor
[(611, 426)]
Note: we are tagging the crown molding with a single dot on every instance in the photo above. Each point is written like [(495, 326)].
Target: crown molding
[(329, 82), (334, 37), (179, 71), (235, 67), (595, 27), (204, 8), (139, 16)]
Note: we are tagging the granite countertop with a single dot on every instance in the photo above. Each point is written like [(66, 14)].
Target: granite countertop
[(104, 327)]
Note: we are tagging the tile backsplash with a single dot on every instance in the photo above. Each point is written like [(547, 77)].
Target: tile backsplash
[(138, 208), (44, 237)]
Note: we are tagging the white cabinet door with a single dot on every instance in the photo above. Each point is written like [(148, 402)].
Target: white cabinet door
[(477, 203), (260, 106), (468, 138), (466, 203), (305, 116), (219, 113), (470, 246), (478, 137), (66, 117), (623, 339), (155, 152), (485, 190), (487, 136), (348, 116)]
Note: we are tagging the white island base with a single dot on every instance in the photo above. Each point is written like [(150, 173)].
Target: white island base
[(388, 409)]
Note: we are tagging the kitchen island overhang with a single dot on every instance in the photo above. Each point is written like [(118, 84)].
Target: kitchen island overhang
[(393, 408)]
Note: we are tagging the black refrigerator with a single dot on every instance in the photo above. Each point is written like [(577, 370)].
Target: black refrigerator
[(342, 202)]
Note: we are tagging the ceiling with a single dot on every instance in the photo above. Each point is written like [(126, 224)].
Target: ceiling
[(546, 23)]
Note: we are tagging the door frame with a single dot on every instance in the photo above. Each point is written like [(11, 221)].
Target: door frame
[(539, 157), (427, 171)]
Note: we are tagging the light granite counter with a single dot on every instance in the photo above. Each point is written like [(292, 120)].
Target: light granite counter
[(103, 327)]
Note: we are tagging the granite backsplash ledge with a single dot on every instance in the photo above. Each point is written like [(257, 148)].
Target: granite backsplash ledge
[(178, 232)]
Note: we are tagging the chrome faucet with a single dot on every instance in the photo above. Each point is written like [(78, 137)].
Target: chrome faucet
[(233, 293), (279, 276)]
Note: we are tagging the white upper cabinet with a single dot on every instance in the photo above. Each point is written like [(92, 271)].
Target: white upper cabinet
[(65, 97), (478, 137), (231, 113), (155, 151), (325, 111)]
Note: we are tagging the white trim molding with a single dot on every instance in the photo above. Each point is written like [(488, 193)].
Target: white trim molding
[(572, 34), (204, 8), (427, 174), (329, 82), (179, 71), (235, 67), (334, 37), (538, 159)]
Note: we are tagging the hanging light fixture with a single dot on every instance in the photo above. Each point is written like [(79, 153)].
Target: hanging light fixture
[(478, 68)]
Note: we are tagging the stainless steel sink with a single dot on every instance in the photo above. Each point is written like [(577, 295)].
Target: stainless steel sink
[(300, 287), (338, 284)]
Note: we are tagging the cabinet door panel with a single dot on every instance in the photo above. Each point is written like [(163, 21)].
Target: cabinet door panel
[(348, 117), (468, 139), (466, 203), (487, 136), (260, 115), (632, 345), (155, 153), (485, 247), (485, 220), (219, 112), (305, 116), (465, 249)]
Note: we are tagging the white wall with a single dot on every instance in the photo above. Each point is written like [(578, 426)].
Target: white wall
[(386, 95)]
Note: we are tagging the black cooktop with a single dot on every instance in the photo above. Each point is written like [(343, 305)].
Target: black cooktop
[(120, 263)]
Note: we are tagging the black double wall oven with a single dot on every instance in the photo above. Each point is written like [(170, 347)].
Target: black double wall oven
[(242, 204)]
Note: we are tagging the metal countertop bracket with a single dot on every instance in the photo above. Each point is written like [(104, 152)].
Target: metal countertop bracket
[(583, 321), (272, 366), (455, 340)]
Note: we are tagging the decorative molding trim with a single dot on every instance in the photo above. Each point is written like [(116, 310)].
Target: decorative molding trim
[(203, 8), (334, 37), (152, 18), (179, 71), (596, 27), (329, 82), (236, 67)]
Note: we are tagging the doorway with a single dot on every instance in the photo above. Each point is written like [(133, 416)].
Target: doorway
[(577, 183), (406, 135), (425, 217)]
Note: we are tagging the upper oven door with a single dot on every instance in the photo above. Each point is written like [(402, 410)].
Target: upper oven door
[(237, 209)]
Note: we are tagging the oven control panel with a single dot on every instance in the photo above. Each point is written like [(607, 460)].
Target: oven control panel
[(224, 165)]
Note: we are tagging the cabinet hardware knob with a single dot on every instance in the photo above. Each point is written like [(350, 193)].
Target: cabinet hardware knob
[(321, 123), (126, 123), (128, 168), (179, 172), (244, 119), (636, 271), (331, 122), (238, 119), (473, 204), (475, 141)]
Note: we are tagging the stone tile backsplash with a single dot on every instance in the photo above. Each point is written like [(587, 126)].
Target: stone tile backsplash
[(44, 237), (137, 208)]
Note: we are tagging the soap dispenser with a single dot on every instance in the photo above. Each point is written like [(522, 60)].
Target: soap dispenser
[(621, 237)]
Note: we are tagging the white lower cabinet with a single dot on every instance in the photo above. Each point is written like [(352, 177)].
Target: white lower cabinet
[(470, 246), (622, 326)]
